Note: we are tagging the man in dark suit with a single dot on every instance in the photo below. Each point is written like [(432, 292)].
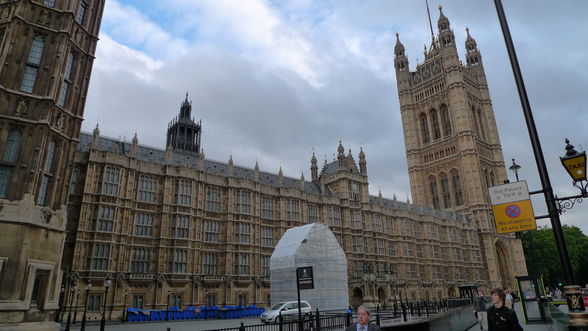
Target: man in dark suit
[(363, 321)]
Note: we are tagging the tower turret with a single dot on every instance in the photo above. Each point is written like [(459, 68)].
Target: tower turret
[(473, 56), (401, 66), (183, 134), (446, 38), (362, 163), (313, 168)]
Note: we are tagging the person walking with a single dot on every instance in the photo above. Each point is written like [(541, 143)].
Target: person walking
[(508, 299), (500, 317), (480, 311), (363, 321)]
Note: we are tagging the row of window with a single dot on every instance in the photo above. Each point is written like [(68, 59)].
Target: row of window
[(414, 271), (82, 11), (430, 123), (141, 258), (447, 190)]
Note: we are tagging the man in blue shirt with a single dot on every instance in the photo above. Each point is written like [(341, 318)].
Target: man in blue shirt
[(363, 321)]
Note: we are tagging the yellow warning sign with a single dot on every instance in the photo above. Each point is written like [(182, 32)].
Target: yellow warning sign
[(512, 207), (514, 216)]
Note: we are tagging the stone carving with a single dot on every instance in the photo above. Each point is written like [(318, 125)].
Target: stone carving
[(47, 214), (21, 108)]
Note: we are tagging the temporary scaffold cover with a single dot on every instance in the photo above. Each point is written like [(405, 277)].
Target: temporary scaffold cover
[(310, 245)]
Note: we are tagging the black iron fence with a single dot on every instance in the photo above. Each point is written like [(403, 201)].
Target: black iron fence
[(337, 320)]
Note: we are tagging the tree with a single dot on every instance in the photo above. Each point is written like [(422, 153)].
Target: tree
[(542, 257)]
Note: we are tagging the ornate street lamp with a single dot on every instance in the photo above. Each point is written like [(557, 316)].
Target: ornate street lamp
[(61, 295), (88, 287), (575, 165), (515, 168), (76, 305), (71, 301), (107, 284)]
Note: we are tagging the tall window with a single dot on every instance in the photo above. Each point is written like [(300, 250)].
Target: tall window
[(242, 263), (81, 17), (312, 213), (265, 266), (380, 246), (176, 300), (445, 191), (292, 210), (9, 159), (110, 181), (481, 121), (49, 3), (359, 244), (334, 216), (94, 302), (210, 299), (389, 225), (181, 226), (138, 301), (420, 252), (47, 170), (392, 248), (210, 264), (243, 202), (267, 207), (213, 199), (184, 192), (100, 256), (179, 262), (67, 80), (140, 260), (446, 120), (106, 217), (356, 220), (434, 192), (435, 123), (147, 189), (409, 249), (457, 191), (211, 231), (143, 224), (32, 66), (267, 236), (377, 220), (411, 271), (405, 229), (425, 129), (243, 233)]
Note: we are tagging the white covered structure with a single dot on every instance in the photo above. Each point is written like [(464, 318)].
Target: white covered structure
[(310, 245)]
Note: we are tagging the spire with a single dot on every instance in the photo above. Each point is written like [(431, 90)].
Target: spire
[(95, 136), (134, 143), (313, 168), (340, 148), (473, 56), (280, 177), (96, 131), (399, 47), (231, 160), (442, 22), (256, 165), (201, 160), (362, 162), (302, 181)]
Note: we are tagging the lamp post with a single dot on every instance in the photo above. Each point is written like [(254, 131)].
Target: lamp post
[(76, 305), (515, 168), (61, 295), (107, 284), (71, 301), (88, 287), (125, 306)]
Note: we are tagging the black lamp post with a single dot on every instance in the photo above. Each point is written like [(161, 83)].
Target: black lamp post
[(61, 295), (107, 284), (88, 287), (76, 305), (125, 306), (515, 168), (71, 300)]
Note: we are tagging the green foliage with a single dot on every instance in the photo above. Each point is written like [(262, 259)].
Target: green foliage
[(542, 257)]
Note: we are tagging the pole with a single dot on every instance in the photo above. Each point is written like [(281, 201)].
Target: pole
[(539, 159), (76, 305), (103, 321), (300, 324), (83, 327)]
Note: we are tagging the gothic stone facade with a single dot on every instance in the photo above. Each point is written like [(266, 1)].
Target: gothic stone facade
[(452, 144), (172, 228), (47, 51)]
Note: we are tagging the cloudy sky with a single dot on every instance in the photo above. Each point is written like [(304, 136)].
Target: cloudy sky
[(273, 80)]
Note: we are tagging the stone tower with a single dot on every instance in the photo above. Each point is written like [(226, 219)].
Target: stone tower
[(452, 145), (47, 50)]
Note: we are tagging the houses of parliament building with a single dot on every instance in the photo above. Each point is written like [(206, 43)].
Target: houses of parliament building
[(170, 227)]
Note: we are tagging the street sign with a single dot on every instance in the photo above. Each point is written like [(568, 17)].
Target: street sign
[(512, 207), (304, 278)]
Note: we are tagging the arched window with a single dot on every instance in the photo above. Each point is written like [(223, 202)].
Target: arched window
[(486, 178), (457, 190), (445, 120), (435, 123), (492, 178), (12, 147), (445, 191), (475, 121), (434, 192), (481, 121), (425, 128)]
